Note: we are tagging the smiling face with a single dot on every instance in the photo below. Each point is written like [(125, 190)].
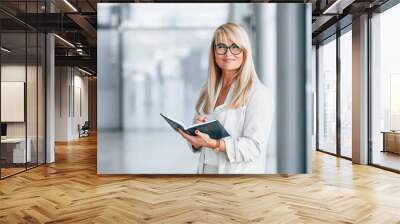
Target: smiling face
[(222, 61), (228, 61)]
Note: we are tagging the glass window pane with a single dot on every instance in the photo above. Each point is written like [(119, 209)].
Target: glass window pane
[(13, 87), (386, 89), (31, 88), (346, 93), (31, 97), (327, 97), (22, 89)]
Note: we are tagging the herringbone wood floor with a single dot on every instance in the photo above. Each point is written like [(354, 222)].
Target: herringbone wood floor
[(70, 191)]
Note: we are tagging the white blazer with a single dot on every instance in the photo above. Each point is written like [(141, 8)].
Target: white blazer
[(249, 127)]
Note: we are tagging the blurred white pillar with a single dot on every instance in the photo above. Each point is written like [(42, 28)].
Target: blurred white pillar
[(284, 65), (265, 60), (109, 76)]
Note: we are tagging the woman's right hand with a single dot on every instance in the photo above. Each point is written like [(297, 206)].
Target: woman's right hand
[(200, 119)]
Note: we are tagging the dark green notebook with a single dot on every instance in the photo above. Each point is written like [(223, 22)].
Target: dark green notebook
[(213, 128)]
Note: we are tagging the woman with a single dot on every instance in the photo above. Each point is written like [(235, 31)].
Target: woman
[(235, 97)]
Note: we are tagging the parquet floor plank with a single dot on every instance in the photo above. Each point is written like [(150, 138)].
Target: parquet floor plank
[(70, 191)]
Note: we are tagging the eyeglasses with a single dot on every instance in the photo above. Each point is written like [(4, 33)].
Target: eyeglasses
[(222, 49)]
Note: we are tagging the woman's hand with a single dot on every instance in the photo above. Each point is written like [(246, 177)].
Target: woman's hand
[(200, 119), (200, 140)]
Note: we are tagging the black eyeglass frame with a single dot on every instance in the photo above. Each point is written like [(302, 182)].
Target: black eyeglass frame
[(226, 48)]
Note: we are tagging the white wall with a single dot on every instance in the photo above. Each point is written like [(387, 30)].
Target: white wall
[(71, 87), (79, 117), (62, 81), (10, 73), (14, 73), (33, 126)]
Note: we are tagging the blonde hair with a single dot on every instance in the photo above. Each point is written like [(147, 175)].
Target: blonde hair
[(246, 72)]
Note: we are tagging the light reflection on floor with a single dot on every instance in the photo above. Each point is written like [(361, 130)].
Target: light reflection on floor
[(152, 152), (163, 152), (386, 159)]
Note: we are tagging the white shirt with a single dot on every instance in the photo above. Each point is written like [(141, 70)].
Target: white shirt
[(210, 156), (249, 127)]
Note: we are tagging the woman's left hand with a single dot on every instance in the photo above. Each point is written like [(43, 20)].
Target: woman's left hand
[(200, 140)]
